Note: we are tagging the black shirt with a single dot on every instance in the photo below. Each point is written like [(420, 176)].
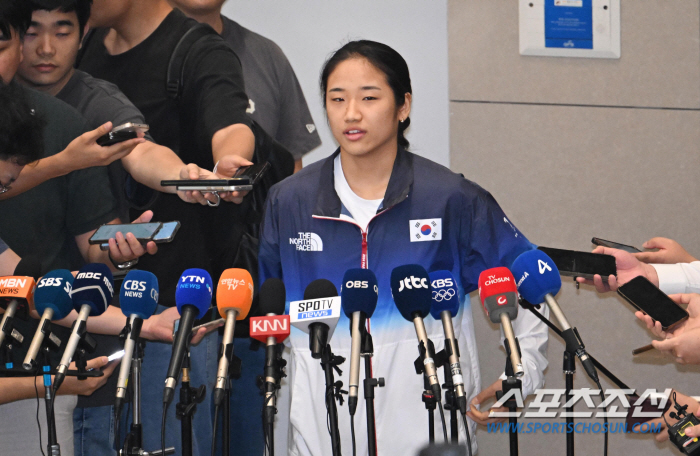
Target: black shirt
[(213, 98)]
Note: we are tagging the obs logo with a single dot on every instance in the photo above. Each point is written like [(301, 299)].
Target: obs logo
[(413, 282), (360, 284)]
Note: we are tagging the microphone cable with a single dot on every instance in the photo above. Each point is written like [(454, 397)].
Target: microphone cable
[(117, 437), (38, 422), (466, 428), (442, 418), (162, 428), (213, 432), (605, 418), (352, 433)]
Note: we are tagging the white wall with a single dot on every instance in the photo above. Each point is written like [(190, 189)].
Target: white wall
[(309, 30)]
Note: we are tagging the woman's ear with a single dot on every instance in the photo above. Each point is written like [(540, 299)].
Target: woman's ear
[(405, 110)]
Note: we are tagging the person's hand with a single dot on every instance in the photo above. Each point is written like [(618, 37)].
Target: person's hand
[(226, 168), (693, 431), (84, 152), (73, 386), (628, 267), (669, 252), (682, 399), (123, 248), (194, 172), (160, 327), (692, 303), (483, 417)]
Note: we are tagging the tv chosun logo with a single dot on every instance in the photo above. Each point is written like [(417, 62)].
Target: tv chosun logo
[(307, 242), (425, 230), (444, 294)]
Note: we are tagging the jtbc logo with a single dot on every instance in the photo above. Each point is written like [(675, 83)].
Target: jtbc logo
[(441, 283), (413, 282)]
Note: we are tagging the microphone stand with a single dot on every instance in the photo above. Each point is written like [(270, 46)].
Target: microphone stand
[(269, 383), (50, 342), (427, 396), (329, 361), (510, 383), (11, 338), (451, 402), (185, 409), (134, 439), (369, 383)]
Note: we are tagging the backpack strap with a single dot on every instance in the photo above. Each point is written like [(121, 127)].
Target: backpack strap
[(178, 59)]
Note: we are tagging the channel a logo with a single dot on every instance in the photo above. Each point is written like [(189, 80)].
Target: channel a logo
[(307, 242)]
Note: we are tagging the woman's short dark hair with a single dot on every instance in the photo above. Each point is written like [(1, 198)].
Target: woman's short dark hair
[(386, 60), (81, 8), (21, 130)]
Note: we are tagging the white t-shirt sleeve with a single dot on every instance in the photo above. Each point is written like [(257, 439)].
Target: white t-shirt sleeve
[(679, 278)]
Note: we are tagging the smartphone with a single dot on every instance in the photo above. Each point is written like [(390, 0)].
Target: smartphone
[(645, 296), (582, 264), (243, 180), (116, 355), (214, 323), (122, 133), (615, 245), (144, 232), (165, 234)]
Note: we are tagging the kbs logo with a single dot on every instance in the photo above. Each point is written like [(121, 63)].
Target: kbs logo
[(413, 282), (307, 242), (425, 230), (442, 283)]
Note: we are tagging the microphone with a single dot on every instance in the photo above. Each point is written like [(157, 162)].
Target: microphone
[(138, 299), (317, 314), (52, 299), (234, 296), (93, 290), (410, 288), (499, 298), (16, 293), (538, 282), (193, 299), (272, 329), (359, 294), (445, 305)]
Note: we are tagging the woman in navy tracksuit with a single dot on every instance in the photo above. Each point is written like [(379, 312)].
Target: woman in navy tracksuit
[(373, 204)]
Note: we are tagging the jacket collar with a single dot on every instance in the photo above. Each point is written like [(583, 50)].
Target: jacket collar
[(328, 203)]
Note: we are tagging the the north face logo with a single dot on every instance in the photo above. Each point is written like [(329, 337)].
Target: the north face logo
[(308, 242)]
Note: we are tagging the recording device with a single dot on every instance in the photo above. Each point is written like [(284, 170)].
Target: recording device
[(538, 280), (647, 297), (676, 432), (243, 180), (166, 233), (412, 293), (138, 299), (93, 290), (234, 296), (16, 294), (499, 298), (581, 264), (317, 314), (445, 306), (615, 245), (115, 356), (272, 329), (122, 133), (53, 301), (359, 293), (192, 298), (143, 232)]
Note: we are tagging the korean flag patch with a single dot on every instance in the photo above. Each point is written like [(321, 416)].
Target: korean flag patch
[(425, 230)]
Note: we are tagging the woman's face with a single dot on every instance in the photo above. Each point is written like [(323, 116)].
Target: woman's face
[(361, 109)]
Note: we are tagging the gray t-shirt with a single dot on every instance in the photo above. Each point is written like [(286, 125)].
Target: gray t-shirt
[(276, 100), (99, 102)]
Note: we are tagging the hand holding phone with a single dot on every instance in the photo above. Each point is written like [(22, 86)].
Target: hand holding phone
[(615, 245), (242, 180), (646, 297), (122, 133)]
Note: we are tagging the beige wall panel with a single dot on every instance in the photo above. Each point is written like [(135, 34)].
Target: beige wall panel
[(659, 67), (565, 174)]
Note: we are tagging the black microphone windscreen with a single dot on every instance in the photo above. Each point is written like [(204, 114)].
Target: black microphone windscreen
[(29, 266), (272, 297), (320, 288)]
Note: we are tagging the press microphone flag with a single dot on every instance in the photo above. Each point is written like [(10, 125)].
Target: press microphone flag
[(271, 304), (317, 314), (52, 301), (193, 298), (359, 293), (16, 293)]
